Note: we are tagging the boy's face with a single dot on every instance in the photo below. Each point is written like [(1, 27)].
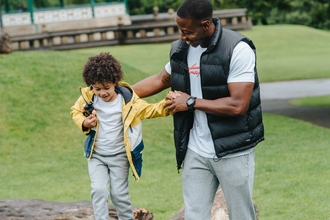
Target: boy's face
[(106, 91)]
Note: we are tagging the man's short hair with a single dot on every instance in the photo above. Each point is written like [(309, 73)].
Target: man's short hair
[(195, 9)]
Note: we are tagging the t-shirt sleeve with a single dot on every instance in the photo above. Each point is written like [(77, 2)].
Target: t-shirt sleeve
[(242, 64), (168, 67)]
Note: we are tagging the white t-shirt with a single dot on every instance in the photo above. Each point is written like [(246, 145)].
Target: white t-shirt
[(241, 70), (110, 135)]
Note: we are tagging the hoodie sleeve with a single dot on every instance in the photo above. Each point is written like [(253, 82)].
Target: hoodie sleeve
[(77, 115), (148, 111)]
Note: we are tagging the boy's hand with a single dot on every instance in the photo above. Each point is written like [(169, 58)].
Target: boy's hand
[(172, 95), (90, 121)]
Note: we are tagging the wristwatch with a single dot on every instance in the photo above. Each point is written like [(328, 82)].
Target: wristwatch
[(190, 103)]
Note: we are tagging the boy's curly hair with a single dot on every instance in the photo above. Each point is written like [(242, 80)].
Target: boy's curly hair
[(102, 68)]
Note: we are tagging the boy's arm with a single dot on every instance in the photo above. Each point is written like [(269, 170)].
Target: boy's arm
[(152, 110), (77, 115)]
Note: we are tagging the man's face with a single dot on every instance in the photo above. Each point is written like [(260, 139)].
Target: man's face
[(106, 91), (193, 32)]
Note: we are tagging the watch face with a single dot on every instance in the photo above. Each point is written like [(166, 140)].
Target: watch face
[(190, 101)]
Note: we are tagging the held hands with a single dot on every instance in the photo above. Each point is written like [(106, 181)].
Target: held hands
[(176, 101)]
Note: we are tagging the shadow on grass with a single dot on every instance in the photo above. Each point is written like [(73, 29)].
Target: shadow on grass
[(316, 115)]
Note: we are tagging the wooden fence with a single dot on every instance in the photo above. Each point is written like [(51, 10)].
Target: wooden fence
[(143, 29)]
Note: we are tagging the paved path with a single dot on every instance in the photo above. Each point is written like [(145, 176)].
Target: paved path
[(275, 98), (295, 89)]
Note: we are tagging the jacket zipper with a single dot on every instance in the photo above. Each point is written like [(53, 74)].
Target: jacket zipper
[(129, 111)]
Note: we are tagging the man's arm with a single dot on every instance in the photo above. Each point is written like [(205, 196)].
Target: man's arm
[(236, 104), (153, 84)]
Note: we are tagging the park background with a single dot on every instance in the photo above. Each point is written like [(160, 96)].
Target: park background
[(41, 148), (313, 13)]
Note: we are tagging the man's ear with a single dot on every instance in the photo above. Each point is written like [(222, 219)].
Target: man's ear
[(206, 24)]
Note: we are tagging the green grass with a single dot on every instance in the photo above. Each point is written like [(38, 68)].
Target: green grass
[(42, 154), (319, 101), (41, 148), (288, 52), (291, 170)]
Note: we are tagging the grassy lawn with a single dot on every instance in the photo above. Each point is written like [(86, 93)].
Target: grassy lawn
[(291, 170), (319, 101), (288, 52), (41, 148)]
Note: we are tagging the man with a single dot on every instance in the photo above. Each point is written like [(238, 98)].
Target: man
[(216, 109)]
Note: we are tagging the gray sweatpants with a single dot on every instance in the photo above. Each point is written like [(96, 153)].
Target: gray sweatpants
[(201, 178), (113, 171)]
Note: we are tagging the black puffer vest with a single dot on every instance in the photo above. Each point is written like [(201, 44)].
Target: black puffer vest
[(229, 134)]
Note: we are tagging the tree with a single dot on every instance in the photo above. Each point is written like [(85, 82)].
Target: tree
[(315, 13), (137, 7)]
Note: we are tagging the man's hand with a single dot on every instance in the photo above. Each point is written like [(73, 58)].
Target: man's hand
[(176, 101)]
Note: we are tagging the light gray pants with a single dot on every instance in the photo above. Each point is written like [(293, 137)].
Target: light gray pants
[(201, 178), (113, 171)]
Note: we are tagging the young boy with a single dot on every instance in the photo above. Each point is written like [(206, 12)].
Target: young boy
[(110, 113)]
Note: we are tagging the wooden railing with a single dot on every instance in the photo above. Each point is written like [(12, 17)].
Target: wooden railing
[(144, 29), (63, 14)]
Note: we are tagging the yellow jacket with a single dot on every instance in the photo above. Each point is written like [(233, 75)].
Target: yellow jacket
[(134, 111)]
